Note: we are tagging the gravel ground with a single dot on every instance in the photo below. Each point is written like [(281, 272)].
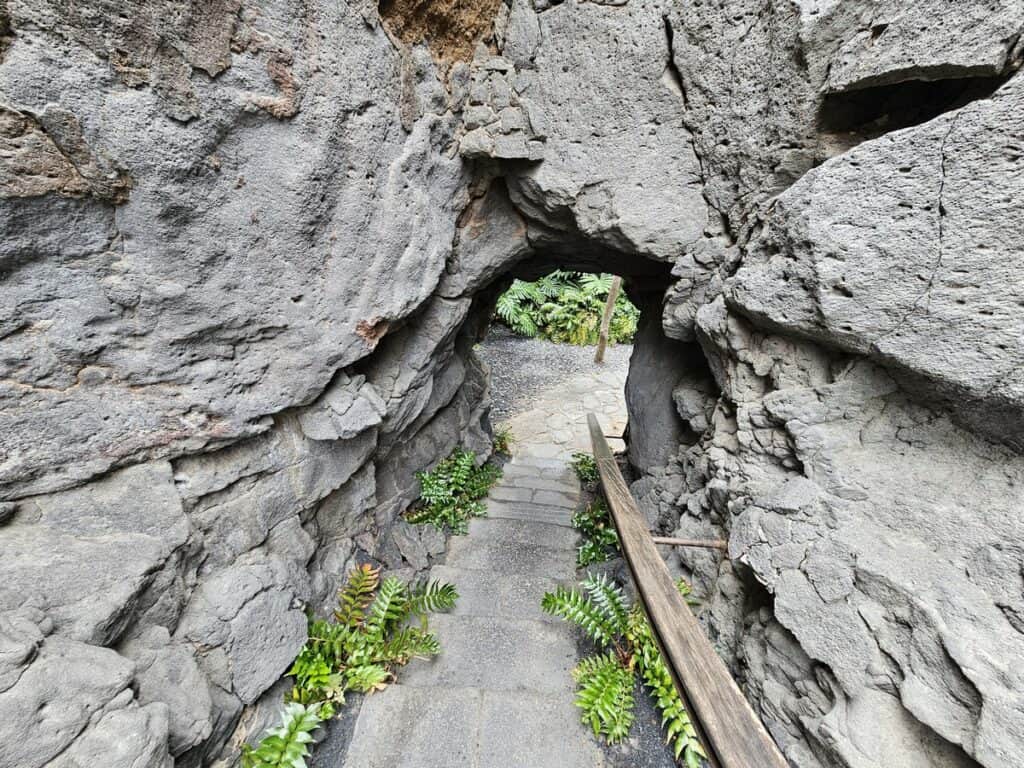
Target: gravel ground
[(522, 368)]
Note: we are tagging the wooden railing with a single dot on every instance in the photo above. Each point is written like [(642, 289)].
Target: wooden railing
[(732, 735)]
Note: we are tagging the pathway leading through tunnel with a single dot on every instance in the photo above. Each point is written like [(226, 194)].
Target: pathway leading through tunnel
[(500, 695)]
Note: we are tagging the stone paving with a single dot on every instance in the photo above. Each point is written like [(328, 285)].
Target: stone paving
[(556, 424), (500, 694)]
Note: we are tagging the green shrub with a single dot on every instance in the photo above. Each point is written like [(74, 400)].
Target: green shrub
[(450, 494), (586, 468), (600, 540), (605, 681), (503, 439), (566, 307)]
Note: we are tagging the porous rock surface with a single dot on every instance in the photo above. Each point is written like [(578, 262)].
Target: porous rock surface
[(248, 247)]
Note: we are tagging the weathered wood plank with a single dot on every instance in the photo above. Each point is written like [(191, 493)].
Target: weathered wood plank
[(732, 734), (701, 543)]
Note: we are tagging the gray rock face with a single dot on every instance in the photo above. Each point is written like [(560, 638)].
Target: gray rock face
[(230, 284), (248, 247), (906, 250)]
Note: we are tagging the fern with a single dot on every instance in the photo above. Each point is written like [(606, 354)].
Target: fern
[(679, 730), (605, 695), (356, 595), (575, 607), (600, 539), (431, 596), (605, 681), (409, 643), (450, 494), (503, 439), (610, 601), (286, 746), (370, 637), (388, 609), (565, 307), (585, 467), (366, 678)]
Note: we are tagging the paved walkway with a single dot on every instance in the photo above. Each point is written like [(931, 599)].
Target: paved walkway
[(556, 424), (501, 695)]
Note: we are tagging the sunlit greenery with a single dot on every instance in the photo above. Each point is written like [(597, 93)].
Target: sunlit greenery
[(566, 307)]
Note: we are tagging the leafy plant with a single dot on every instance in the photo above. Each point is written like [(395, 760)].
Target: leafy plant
[(450, 494), (371, 634), (369, 637), (287, 746), (503, 439), (600, 539), (605, 680), (585, 467), (566, 307)]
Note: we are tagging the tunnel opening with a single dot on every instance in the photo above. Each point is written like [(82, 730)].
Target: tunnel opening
[(530, 373)]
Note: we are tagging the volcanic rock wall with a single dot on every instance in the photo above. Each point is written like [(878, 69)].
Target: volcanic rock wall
[(248, 246)]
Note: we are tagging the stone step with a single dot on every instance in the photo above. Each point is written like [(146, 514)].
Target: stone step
[(404, 727), (522, 493), (497, 654), (510, 557), (523, 531), (534, 479), (465, 727), (537, 513), (527, 730), (497, 595), (538, 463)]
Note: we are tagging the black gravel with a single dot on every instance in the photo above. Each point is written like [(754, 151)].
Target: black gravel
[(522, 368)]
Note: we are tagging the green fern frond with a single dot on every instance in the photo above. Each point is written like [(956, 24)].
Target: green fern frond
[(431, 597), (408, 643), (610, 600), (389, 608), (605, 694), (367, 677), (577, 608), (286, 746), (679, 730), (357, 594), (596, 285)]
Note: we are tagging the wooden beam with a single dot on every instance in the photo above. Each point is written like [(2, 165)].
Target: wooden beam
[(606, 319), (732, 734), (701, 543)]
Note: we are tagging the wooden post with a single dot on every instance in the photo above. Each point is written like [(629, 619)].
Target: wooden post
[(606, 318)]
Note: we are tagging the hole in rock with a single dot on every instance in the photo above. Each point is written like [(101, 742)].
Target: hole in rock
[(541, 323), (872, 112)]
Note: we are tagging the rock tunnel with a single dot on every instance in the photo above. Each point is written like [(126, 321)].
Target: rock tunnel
[(249, 246)]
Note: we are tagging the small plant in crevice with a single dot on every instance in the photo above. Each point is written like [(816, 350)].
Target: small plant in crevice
[(451, 493), (378, 626), (503, 440), (287, 745), (585, 467), (627, 648), (600, 540), (370, 636)]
